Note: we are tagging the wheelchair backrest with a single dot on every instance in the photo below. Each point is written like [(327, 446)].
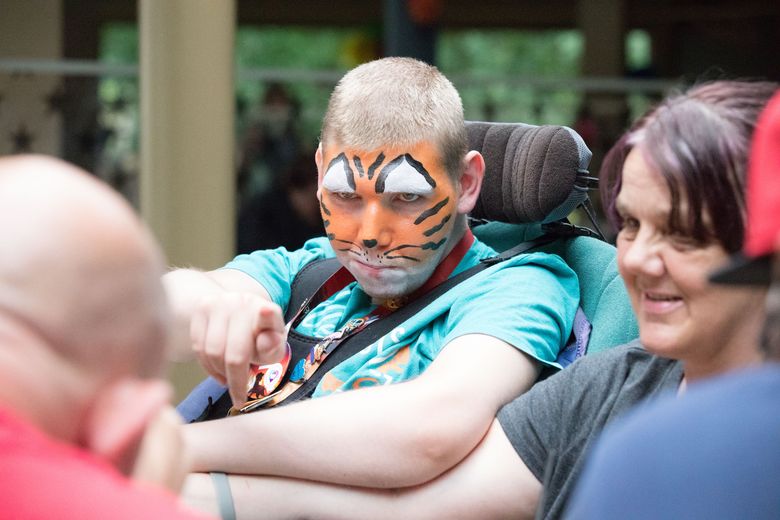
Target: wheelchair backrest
[(535, 176)]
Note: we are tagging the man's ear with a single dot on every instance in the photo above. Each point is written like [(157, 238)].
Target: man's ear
[(116, 421), (320, 172), (470, 183)]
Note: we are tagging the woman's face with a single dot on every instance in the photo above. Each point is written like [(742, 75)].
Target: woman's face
[(681, 315)]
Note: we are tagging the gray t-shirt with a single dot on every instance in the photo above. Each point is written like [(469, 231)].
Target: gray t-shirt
[(552, 425)]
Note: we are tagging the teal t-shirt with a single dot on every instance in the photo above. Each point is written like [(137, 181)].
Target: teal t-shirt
[(528, 301)]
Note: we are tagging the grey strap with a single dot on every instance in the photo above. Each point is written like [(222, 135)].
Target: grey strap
[(224, 497)]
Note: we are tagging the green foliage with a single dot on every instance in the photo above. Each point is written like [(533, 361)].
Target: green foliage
[(491, 68), (505, 52), (488, 67), (280, 49), (495, 73), (119, 43), (118, 46), (638, 50)]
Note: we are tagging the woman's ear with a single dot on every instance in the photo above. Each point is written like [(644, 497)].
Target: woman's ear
[(116, 422), (470, 182)]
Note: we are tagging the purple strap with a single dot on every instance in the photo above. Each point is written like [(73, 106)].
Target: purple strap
[(208, 390), (578, 345)]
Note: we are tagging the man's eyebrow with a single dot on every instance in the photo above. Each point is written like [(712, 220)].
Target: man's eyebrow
[(392, 165), (349, 174), (417, 165)]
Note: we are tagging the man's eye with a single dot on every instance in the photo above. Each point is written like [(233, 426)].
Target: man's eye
[(408, 197), (345, 195)]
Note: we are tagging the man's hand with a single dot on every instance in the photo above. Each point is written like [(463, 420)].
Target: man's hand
[(233, 329)]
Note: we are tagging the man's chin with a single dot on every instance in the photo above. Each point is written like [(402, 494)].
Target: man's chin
[(386, 283), (381, 294), (381, 290)]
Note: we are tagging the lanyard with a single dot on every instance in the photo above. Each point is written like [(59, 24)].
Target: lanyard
[(265, 379)]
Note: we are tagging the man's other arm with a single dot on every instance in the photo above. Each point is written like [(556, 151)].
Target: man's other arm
[(407, 433), (389, 436), (491, 483)]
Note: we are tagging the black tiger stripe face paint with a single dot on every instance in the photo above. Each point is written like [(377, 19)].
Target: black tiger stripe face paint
[(389, 213)]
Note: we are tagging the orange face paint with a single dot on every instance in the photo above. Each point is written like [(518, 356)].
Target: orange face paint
[(388, 213)]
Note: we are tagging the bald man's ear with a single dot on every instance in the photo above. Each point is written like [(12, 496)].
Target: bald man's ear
[(116, 422)]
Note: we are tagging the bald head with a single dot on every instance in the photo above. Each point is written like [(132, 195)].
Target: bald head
[(78, 269)]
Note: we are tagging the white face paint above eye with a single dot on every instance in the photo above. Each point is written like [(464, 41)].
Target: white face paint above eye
[(336, 178), (406, 179)]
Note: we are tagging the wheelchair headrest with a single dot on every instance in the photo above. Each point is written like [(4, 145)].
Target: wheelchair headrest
[(532, 173)]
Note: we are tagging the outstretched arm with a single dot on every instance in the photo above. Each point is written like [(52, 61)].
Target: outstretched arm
[(188, 288), (396, 435), (492, 482), (226, 318)]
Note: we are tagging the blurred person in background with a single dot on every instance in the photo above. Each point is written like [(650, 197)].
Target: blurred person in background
[(287, 215), (83, 328)]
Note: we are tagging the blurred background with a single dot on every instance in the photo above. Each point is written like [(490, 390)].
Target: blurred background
[(205, 113)]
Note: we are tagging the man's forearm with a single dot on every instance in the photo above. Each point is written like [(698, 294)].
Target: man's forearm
[(491, 483), (390, 436), (185, 289), (278, 498), (188, 288), (327, 439)]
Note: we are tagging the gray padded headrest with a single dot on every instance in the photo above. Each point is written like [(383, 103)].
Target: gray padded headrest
[(532, 173)]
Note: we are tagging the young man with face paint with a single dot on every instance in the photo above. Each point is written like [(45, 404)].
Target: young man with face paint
[(396, 182)]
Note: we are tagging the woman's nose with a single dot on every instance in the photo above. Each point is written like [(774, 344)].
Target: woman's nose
[(642, 255)]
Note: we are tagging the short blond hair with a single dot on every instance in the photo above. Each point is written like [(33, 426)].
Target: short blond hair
[(397, 102)]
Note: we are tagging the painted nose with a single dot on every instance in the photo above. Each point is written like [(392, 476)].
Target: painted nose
[(374, 230)]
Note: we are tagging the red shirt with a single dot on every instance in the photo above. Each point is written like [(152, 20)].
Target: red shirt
[(41, 478)]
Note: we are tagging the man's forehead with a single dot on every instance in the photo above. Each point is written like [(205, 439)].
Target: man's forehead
[(424, 152)]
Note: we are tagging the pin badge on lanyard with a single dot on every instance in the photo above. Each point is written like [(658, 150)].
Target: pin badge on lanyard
[(263, 385), (264, 379)]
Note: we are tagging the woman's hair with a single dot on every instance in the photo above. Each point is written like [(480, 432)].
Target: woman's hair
[(699, 142), (397, 102)]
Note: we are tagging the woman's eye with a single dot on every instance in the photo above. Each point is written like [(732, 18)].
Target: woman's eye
[(408, 197), (628, 227), (683, 242), (630, 223)]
